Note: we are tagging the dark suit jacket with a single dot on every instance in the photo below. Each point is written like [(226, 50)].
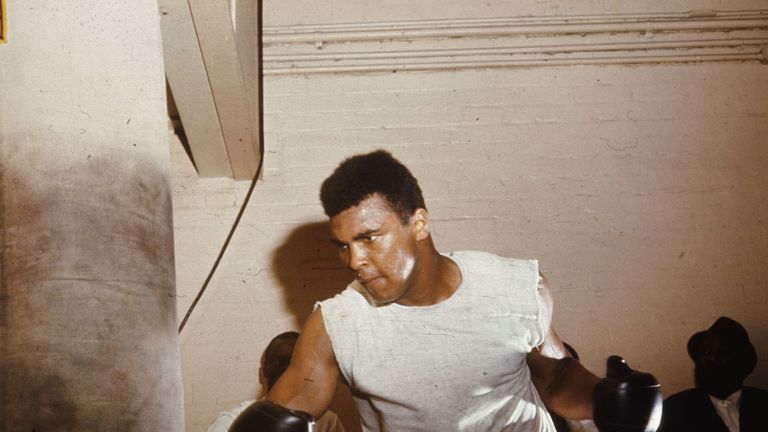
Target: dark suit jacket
[(692, 411)]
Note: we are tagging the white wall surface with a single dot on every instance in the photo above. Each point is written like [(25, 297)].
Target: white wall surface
[(282, 12), (641, 189)]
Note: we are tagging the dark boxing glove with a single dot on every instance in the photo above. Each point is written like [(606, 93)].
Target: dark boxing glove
[(626, 400), (265, 416)]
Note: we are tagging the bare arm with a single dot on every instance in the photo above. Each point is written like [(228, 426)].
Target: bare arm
[(310, 381), (565, 386)]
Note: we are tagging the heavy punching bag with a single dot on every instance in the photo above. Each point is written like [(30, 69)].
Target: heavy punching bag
[(88, 336)]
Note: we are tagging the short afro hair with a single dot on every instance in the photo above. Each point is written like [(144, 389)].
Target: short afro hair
[(364, 175)]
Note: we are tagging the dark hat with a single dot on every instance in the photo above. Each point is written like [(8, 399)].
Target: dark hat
[(730, 333)]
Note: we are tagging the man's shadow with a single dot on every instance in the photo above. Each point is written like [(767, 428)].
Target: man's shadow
[(307, 267)]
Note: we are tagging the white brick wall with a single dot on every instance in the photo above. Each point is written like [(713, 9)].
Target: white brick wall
[(642, 190)]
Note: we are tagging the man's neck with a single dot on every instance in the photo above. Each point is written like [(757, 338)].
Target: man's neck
[(435, 280), (723, 394)]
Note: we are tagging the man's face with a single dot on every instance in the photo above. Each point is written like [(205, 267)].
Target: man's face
[(716, 370), (377, 247)]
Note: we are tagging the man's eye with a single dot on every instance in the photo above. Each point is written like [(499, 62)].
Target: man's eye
[(370, 238)]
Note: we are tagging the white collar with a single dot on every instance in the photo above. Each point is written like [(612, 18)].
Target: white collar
[(733, 399)]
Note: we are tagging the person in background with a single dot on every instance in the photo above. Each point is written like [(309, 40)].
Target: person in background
[(274, 361), (723, 357)]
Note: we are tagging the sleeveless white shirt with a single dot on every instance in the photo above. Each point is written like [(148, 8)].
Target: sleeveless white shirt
[(458, 365)]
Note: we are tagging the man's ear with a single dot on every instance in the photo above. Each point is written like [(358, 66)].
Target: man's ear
[(420, 223)]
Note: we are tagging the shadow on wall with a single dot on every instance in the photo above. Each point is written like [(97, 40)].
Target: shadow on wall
[(307, 266)]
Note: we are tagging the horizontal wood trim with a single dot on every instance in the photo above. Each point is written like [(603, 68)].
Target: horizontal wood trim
[(512, 42)]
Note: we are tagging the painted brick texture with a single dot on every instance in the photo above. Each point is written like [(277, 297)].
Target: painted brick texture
[(642, 191)]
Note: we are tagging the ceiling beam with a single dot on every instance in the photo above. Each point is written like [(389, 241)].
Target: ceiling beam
[(205, 72)]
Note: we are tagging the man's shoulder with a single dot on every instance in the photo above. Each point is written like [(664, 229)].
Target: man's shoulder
[(685, 397), (353, 295), (755, 392), (487, 263), (475, 257)]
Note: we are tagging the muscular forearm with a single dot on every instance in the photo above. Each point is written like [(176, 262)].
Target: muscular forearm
[(302, 394), (310, 381), (294, 395), (565, 386), (626, 400)]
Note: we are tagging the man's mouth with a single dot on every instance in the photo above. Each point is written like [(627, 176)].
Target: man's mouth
[(367, 281)]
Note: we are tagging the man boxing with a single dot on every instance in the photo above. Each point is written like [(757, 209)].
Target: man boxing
[(460, 341)]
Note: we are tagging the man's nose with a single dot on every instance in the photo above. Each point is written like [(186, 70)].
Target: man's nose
[(356, 258)]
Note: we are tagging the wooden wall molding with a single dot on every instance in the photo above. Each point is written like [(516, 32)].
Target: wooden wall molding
[(699, 36)]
